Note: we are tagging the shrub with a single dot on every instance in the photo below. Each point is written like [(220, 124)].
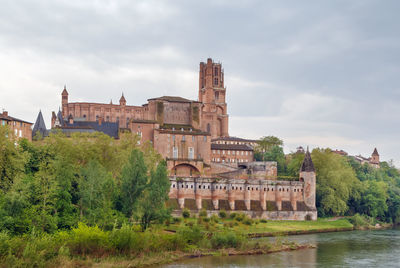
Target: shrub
[(240, 217), (222, 214), (358, 221), (226, 240), (88, 240), (206, 219), (191, 235), (203, 213), (248, 221), (186, 213), (263, 221), (177, 220), (4, 243), (125, 239), (190, 224), (215, 218), (232, 215)]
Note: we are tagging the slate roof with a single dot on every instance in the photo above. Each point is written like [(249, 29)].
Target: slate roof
[(308, 165), (39, 126), (10, 118), (109, 128), (234, 147)]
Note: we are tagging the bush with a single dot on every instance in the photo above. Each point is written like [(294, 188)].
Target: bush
[(4, 243), (186, 213), (125, 239), (215, 218), (359, 221), (232, 215), (226, 240), (203, 213), (240, 217), (222, 214), (88, 240), (177, 220), (191, 235), (248, 221), (206, 219), (263, 221)]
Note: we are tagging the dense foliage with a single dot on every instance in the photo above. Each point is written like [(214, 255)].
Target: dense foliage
[(55, 183), (344, 186)]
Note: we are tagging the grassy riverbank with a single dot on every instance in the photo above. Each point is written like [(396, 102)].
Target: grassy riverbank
[(128, 246), (182, 238)]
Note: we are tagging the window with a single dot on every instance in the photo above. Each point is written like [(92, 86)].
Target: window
[(223, 151), (20, 133), (173, 137), (215, 81), (247, 152), (229, 152), (191, 153), (84, 116), (97, 117), (107, 118), (215, 71), (183, 138), (175, 152), (213, 151), (193, 138), (205, 138)]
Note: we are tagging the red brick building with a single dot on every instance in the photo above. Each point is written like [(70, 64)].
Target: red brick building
[(19, 128)]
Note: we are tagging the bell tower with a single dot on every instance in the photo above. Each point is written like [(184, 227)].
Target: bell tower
[(64, 102), (212, 93), (308, 176)]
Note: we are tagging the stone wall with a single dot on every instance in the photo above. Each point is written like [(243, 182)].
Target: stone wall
[(260, 198)]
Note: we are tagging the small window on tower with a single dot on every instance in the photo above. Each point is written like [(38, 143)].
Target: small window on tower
[(216, 81), (217, 95), (215, 71)]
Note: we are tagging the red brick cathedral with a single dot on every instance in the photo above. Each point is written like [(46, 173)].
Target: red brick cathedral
[(192, 135), (208, 168)]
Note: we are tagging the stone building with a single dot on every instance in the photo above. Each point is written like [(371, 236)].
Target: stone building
[(208, 168), (373, 160), (20, 128)]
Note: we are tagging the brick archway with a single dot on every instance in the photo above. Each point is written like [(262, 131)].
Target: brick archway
[(185, 170)]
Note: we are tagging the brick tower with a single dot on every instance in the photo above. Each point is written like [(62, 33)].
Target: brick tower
[(307, 174), (212, 94)]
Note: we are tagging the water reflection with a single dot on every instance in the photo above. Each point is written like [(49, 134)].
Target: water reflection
[(345, 249)]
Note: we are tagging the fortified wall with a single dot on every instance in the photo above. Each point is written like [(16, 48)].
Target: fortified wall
[(256, 197)]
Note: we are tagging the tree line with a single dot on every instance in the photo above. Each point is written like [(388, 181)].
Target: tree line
[(344, 186), (57, 182)]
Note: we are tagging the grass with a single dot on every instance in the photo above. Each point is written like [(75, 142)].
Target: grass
[(269, 228)]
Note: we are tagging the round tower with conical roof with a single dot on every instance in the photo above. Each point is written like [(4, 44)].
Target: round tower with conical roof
[(308, 176)]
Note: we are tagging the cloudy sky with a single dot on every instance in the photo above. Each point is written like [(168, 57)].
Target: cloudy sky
[(317, 73)]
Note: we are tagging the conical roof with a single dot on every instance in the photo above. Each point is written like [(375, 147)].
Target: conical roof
[(39, 126), (122, 99), (375, 152), (308, 165), (64, 92)]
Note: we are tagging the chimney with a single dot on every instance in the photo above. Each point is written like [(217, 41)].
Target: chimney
[(5, 113)]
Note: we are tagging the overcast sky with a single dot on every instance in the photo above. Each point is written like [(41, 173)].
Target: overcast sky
[(317, 73)]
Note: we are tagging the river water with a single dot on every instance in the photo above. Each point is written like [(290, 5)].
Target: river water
[(378, 248)]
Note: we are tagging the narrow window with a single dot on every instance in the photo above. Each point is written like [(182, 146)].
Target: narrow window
[(175, 152), (191, 153), (215, 81)]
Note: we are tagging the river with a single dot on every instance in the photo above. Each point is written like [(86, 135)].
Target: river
[(378, 248)]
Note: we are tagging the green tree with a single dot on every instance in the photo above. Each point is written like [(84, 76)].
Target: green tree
[(276, 154), (153, 203), (336, 182), (265, 144), (133, 181), (96, 191), (12, 160)]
